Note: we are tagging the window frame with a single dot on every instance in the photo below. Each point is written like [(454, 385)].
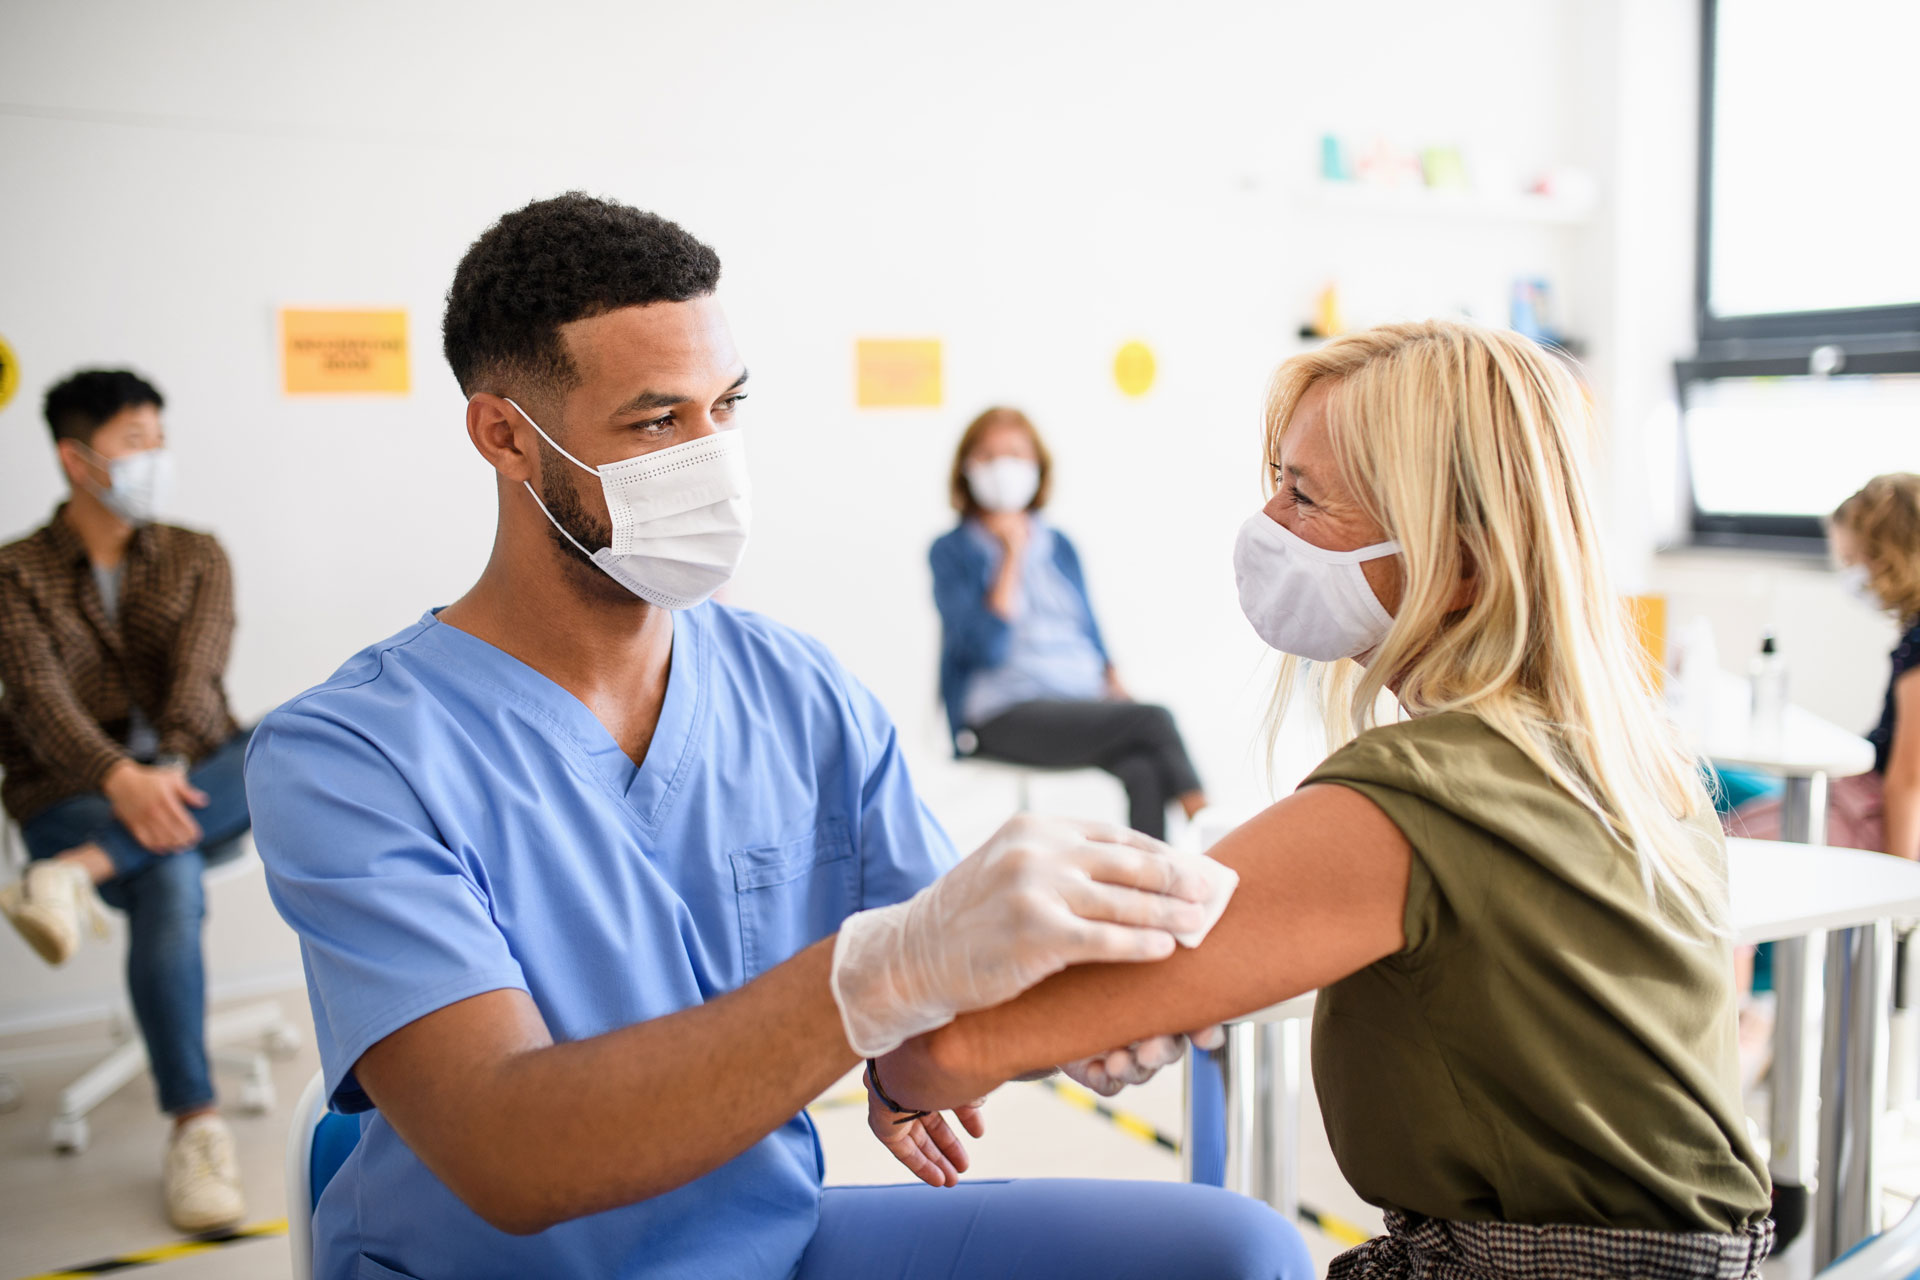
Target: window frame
[(1788, 331), (1794, 535), (1861, 341)]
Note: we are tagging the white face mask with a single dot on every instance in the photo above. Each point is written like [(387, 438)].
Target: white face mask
[(1306, 600), (1854, 577), (680, 517), (140, 484), (1004, 484)]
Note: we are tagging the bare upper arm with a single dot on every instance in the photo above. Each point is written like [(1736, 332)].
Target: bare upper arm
[(427, 1077), (1323, 893), (1903, 753)]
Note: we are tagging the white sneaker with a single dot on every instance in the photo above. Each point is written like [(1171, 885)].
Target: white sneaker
[(46, 905), (203, 1177)]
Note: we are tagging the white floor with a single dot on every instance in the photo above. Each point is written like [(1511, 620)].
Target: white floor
[(63, 1211)]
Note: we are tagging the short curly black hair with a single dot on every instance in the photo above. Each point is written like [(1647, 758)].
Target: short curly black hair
[(87, 401), (554, 262)]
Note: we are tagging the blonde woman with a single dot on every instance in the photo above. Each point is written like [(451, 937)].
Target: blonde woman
[(1512, 898), (1876, 540)]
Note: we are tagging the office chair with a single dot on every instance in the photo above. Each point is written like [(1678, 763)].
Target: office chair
[(261, 1022)]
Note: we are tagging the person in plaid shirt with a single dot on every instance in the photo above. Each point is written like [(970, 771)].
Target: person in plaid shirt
[(122, 762)]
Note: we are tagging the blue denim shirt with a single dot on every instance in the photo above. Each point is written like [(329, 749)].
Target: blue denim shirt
[(975, 641)]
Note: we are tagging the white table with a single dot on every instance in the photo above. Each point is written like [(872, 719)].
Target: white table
[(1806, 752), (1779, 891)]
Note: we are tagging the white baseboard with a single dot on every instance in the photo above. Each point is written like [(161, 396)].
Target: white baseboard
[(19, 1021)]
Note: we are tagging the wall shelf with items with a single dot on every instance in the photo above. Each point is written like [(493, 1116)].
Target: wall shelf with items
[(1463, 205)]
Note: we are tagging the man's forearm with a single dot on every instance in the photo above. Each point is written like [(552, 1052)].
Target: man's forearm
[(559, 1131)]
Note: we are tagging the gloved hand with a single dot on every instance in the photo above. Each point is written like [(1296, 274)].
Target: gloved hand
[(1108, 1073), (1043, 894)]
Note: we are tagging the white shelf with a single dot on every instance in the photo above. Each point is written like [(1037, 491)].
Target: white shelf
[(1425, 202)]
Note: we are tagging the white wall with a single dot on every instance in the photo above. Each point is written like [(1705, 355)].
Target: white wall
[(1034, 184), (1641, 255)]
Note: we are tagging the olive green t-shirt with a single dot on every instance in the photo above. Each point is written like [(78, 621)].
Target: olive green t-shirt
[(1543, 1050)]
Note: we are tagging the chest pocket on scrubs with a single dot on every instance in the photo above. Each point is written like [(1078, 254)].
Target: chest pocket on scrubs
[(792, 895)]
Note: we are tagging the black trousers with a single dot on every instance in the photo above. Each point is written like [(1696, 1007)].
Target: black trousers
[(1134, 741)]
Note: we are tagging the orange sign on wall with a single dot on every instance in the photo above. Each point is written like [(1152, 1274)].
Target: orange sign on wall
[(897, 373), (324, 352)]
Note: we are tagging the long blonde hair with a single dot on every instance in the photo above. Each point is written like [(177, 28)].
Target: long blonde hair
[(1466, 445)]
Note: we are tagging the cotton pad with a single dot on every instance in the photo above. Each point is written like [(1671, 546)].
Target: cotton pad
[(1221, 880)]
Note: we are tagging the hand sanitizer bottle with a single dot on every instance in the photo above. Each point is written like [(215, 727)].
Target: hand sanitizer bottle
[(1769, 673)]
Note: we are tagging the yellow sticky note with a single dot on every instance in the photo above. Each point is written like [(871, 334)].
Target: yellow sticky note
[(895, 373), (336, 351), (1133, 368)]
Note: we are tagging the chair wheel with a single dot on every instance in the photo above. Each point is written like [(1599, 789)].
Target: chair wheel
[(10, 1094), (283, 1041), (71, 1135)]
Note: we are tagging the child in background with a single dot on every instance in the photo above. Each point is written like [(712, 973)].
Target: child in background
[(1876, 542)]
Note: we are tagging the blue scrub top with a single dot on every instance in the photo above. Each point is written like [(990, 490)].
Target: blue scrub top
[(440, 820)]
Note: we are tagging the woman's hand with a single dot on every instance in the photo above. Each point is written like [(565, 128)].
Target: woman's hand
[(925, 1144), (1012, 528), (913, 1077), (1116, 692)]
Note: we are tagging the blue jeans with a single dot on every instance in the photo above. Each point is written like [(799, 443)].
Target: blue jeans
[(1051, 1229), (164, 902)]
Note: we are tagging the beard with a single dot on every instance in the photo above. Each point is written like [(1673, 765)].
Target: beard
[(564, 504)]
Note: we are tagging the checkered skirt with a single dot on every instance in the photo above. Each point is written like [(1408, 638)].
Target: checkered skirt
[(1417, 1248)]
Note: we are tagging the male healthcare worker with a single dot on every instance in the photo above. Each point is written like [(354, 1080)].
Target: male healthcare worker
[(567, 859)]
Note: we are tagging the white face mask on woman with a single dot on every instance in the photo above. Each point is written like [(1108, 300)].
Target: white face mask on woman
[(1856, 579), (680, 517), (1003, 484), (1306, 600)]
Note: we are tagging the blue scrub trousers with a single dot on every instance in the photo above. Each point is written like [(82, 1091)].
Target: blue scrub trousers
[(1051, 1229), (162, 896)]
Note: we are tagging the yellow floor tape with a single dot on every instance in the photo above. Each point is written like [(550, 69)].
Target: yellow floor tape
[(168, 1252), (1073, 1095), (1336, 1229)]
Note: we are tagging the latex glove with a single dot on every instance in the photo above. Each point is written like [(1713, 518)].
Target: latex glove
[(1043, 894), (1108, 1073), (927, 1144)]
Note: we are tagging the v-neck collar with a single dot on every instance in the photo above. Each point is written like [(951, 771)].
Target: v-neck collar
[(648, 789)]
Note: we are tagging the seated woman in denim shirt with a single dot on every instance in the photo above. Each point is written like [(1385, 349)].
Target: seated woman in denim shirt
[(1023, 671)]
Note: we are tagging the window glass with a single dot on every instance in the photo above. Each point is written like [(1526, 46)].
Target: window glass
[(1797, 446), (1815, 186)]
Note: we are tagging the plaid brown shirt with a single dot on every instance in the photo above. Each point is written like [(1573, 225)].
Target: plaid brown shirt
[(69, 679)]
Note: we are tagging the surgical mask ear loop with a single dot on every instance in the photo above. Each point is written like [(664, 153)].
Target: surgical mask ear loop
[(556, 524), (555, 443), (528, 485), (103, 462)]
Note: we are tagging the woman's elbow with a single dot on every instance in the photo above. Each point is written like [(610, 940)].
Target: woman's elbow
[(504, 1206), (516, 1222)]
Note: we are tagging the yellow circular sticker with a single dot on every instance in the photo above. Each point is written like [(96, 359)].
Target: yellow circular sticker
[(9, 373), (1133, 368)]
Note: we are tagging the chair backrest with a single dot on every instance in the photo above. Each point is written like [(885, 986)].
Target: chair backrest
[(318, 1143), (1894, 1254)]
